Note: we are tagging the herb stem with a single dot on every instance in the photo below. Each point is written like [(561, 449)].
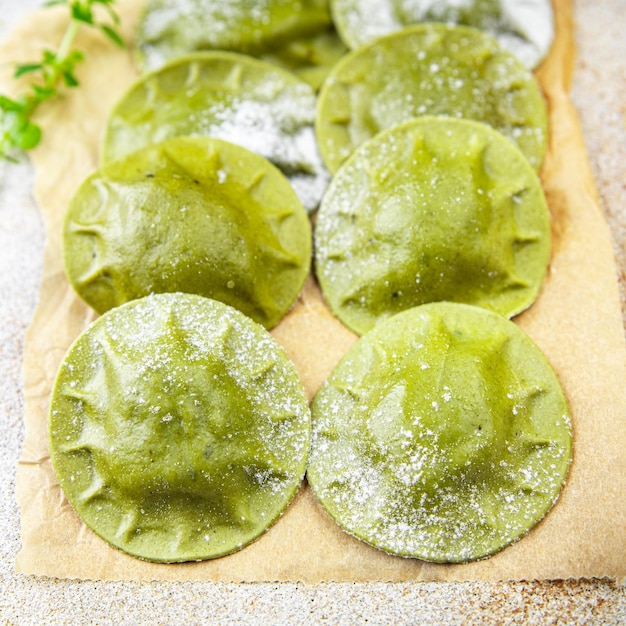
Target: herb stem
[(67, 41), (53, 76), (17, 130)]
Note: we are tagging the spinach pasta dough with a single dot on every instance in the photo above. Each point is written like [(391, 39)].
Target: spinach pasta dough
[(170, 29), (190, 214), (226, 96), (524, 27), (179, 430), (296, 34), (430, 69), (443, 435), (433, 209)]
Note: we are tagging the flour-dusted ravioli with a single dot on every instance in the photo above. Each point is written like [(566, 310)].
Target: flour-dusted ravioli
[(310, 58), (432, 209), (443, 434), (430, 69), (232, 97), (190, 214), (298, 34), (524, 27), (179, 429)]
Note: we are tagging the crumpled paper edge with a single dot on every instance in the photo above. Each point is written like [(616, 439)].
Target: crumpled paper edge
[(564, 545)]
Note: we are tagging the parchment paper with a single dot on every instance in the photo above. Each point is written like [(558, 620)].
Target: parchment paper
[(576, 321)]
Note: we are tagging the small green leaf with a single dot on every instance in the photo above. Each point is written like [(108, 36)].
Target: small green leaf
[(75, 56), (29, 137), (19, 132), (113, 35), (27, 68), (8, 104), (43, 93), (69, 79), (82, 13), (49, 57)]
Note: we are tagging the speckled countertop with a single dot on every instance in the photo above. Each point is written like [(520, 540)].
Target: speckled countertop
[(599, 94)]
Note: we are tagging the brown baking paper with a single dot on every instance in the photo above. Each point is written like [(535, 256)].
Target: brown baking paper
[(576, 321)]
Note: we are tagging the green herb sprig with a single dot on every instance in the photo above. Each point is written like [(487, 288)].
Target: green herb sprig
[(17, 130)]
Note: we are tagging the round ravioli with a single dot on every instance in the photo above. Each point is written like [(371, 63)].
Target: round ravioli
[(443, 435), (167, 29), (430, 69), (233, 97), (433, 209), (524, 28), (311, 58), (190, 214), (179, 430)]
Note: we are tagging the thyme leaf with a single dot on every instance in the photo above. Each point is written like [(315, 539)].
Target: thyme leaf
[(55, 69)]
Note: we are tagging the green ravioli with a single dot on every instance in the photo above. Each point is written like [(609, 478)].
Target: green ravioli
[(190, 214), (429, 69), (310, 58), (228, 96), (525, 28), (179, 430), (298, 34), (433, 209), (442, 435)]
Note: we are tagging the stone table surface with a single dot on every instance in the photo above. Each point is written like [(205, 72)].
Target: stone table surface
[(599, 94)]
